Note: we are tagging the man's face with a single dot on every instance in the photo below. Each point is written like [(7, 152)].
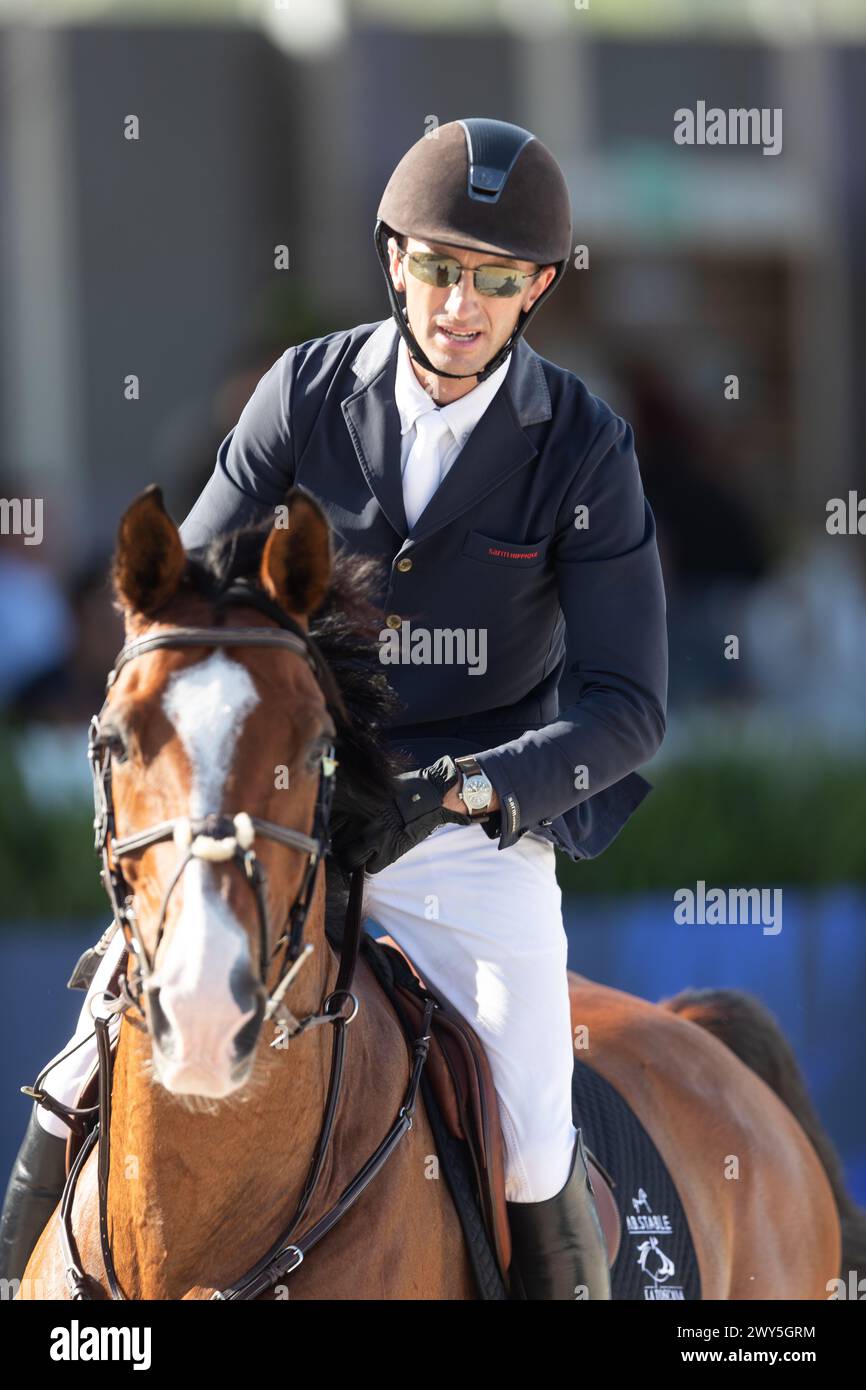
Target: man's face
[(435, 314)]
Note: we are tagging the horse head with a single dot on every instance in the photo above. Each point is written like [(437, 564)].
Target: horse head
[(206, 746)]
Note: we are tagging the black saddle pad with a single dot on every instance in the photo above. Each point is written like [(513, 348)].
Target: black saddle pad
[(656, 1259)]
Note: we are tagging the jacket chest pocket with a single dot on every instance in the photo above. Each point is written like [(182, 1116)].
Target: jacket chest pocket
[(506, 554)]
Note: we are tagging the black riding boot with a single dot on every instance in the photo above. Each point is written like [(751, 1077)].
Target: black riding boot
[(558, 1247), (34, 1189)]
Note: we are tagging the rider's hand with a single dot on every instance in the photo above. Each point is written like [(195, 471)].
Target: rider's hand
[(409, 818)]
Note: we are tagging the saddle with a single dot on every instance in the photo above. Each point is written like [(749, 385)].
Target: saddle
[(459, 1073)]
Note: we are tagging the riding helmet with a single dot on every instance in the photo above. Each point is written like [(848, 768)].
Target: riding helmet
[(483, 185)]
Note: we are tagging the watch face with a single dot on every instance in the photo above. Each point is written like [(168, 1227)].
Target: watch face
[(477, 792)]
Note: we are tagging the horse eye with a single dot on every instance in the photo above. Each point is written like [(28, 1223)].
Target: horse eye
[(113, 741), (317, 748)]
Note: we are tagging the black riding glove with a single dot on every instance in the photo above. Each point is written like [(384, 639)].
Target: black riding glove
[(415, 811)]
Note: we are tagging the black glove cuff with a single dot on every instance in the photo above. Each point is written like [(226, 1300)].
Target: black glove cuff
[(443, 774), (420, 793)]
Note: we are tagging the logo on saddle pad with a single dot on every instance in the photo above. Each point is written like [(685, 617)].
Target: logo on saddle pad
[(640, 1224), (654, 1262)]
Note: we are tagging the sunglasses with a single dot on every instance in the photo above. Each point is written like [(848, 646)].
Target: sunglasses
[(499, 281)]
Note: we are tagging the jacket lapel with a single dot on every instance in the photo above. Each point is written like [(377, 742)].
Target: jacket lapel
[(373, 421), (497, 447)]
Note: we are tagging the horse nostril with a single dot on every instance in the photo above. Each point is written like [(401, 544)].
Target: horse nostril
[(249, 997), (247, 1036), (250, 1000), (244, 986), (160, 1026)]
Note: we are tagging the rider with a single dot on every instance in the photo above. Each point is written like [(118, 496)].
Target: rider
[(508, 504)]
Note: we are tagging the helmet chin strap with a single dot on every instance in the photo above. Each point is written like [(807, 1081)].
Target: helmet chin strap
[(402, 319), (416, 351)]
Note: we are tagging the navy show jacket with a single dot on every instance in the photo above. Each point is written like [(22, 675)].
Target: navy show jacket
[(565, 604)]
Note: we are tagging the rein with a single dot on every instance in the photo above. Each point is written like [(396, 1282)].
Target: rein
[(217, 839)]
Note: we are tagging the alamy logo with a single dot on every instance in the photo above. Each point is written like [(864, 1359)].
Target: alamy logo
[(438, 646), (77, 1343), (22, 516), (719, 906), (25, 1288), (846, 517), (737, 126), (854, 1289)]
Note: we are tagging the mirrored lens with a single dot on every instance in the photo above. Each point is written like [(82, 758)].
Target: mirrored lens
[(441, 271), (499, 280)]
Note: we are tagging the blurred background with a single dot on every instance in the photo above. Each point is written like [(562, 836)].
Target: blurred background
[(266, 124)]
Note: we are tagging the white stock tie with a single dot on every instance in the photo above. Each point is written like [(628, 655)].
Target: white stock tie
[(423, 472)]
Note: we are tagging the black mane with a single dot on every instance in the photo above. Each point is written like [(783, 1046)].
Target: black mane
[(345, 629)]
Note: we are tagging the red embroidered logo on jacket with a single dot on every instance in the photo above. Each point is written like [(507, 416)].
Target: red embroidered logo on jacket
[(513, 554)]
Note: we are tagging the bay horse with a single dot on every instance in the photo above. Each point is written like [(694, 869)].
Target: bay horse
[(213, 1129)]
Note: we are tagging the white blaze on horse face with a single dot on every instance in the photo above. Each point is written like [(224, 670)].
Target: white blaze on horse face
[(207, 704)]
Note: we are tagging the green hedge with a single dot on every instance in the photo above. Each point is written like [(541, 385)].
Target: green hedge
[(735, 821), (727, 820), (48, 867)]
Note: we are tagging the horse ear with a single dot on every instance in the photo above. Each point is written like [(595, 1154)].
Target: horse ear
[(149, 558), (296, 561)]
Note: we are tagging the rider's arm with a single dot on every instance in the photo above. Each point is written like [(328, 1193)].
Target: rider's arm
[(255, 463), (612, 598)]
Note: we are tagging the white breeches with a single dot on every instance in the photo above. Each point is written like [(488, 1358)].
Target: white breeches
[(485, 925), (66, 1077)]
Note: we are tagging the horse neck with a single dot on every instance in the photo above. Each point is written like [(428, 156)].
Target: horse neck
[(197, 1195)]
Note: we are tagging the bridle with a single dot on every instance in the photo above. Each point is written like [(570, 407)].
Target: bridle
[(219, 838), (215, 838)]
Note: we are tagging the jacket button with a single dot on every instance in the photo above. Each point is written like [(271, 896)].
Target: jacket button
[(404, 564), (393, 620)]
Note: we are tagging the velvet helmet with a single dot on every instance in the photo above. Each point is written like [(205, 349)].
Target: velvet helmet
[(483, 185)]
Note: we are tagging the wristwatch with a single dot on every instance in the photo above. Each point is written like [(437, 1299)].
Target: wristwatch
[(476, 789)]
